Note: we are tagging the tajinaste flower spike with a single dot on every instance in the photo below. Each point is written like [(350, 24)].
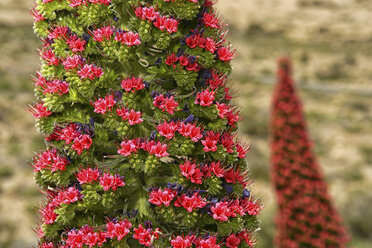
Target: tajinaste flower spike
[(133, 102)]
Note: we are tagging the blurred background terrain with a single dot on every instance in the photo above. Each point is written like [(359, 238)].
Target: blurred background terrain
[(331, 44)]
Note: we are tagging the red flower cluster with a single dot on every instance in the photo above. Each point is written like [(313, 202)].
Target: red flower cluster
[(145, 236), (228, 112), (131, 146), (76, 44), (164, 197), (210, 20), (37, 16), (49, 57), (50, 160), (216, 80), (90, 71), (73, 62), (165, 103), (104, 104), (205, 98), (222, 211), (79, 141), (196, 174), (39, 110), (132, 84), (51, 87), (114, 230), (106, 180), (161, 22), (225, 54), (183, 62), (306, 215), (131, 116), (102, 34), (197, 40), (77, 3), (66, 196), (128, 38), (168, 130), (194, 1)]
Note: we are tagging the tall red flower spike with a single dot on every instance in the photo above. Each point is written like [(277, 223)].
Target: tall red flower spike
[(306, 215)]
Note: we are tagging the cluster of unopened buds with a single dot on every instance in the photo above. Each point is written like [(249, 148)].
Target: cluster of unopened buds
[(106, 180), (161, 22), (130, 147), (183, 61), (49, 160)]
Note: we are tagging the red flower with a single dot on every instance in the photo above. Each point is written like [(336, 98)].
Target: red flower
[(217, 169), (210, 242), (160, 197), (128, 38), (132, 84), (168, 24), (82, 142), (88, 175), (205, 98), (149, 13), (159, 150), (104, 104), (127, 148), (75, 239), (180, 242), (47, 214), (209, 144), (232, 241), (50, 57), (211, 20), (118, 230), (71, 195), (171, 59), (39, 111), (37, 16), (133, 117), (187, 169), (76, 44), (166, 104), (225, 54), (144, 236), (108, 181), (221, 211), (73, 62), (167, 129), (102, 34), (190, 203)]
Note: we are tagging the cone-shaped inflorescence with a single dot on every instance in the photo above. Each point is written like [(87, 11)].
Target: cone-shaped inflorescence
[(306, 216), (140, 133)]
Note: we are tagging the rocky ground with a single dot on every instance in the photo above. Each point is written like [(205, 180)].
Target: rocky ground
[(331, 45)]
